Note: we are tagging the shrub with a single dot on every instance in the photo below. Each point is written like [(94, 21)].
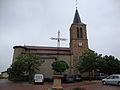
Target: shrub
[(59, 66)]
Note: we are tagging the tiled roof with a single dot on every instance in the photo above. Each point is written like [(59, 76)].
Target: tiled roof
[(47, 50), (52, 52), (77, 19)]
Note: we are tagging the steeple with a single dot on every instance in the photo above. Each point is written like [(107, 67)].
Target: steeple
[(78, 40), (77, 19)]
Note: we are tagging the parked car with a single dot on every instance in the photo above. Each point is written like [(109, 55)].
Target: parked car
[(68, 78), (100, 76), (38, 79), (112, 79), (77, 78)]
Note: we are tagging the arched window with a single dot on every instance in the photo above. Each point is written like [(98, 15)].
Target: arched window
[(79, 33)]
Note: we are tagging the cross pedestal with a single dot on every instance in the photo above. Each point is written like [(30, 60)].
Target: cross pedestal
[(57, 82)]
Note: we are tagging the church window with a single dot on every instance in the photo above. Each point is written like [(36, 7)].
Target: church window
[(79, 33)]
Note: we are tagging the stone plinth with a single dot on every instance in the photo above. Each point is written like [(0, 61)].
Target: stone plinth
[(57, 82)]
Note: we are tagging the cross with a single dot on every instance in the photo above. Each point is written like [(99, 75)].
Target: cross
[(76, 4), (58, 39), (58, 42)]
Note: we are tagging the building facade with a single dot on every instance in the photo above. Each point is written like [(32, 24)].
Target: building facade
[(78, 45), (78, 39)]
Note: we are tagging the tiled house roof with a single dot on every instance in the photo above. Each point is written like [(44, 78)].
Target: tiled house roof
[(47, 50)]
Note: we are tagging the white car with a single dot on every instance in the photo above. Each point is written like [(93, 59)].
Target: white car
[(38, 78), (112, 79)]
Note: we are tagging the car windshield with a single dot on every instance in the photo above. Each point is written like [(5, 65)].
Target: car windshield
[(109, 77), (38, 77)]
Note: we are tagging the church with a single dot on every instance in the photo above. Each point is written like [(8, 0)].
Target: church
[(71, 55)]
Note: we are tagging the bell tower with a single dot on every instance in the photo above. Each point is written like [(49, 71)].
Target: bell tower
[(78, 38)]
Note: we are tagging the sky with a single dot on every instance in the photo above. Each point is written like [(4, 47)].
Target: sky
[(33, 22)]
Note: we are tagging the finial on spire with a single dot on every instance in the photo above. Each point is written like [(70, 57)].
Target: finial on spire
[(76, 4), (77, 19)]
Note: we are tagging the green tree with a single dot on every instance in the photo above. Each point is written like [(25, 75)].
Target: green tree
[(59, 66), (88, 62), (109, 65), (91, 61), (25, 64), (16, 71)]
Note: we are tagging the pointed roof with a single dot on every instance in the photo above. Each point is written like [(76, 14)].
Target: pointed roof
[(77, 19)]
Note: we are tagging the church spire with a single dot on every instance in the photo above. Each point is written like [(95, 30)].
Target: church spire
[(77, 19)]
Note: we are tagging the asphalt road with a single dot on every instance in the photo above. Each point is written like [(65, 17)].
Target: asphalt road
[(88, 85)]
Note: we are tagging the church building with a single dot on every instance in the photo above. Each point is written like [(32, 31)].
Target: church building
[(78, 45)]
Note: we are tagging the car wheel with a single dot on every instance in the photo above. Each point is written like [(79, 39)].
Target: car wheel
[(119, 83), (104, 83)]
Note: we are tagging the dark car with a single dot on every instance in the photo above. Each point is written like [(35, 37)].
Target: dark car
[(68, 78), (77, 78), (100, 76)]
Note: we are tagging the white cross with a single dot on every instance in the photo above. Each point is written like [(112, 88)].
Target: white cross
[(58, 39)]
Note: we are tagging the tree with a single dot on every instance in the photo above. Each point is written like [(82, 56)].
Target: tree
[(25, 64), (109, 65), (16, 70), (91, 61), (88, 62), (59, 66)]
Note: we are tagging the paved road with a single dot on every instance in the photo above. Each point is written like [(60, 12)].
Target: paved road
[(99, 86), (88, 85)]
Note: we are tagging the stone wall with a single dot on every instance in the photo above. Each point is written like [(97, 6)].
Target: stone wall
[(45, 68), (78, 45), (17, 51)]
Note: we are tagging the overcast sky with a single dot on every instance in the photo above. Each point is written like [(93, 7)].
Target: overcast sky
[(33, 22)]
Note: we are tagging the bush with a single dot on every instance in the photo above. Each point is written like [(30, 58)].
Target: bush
[(23, 78), (3, 78), (59, 66)]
